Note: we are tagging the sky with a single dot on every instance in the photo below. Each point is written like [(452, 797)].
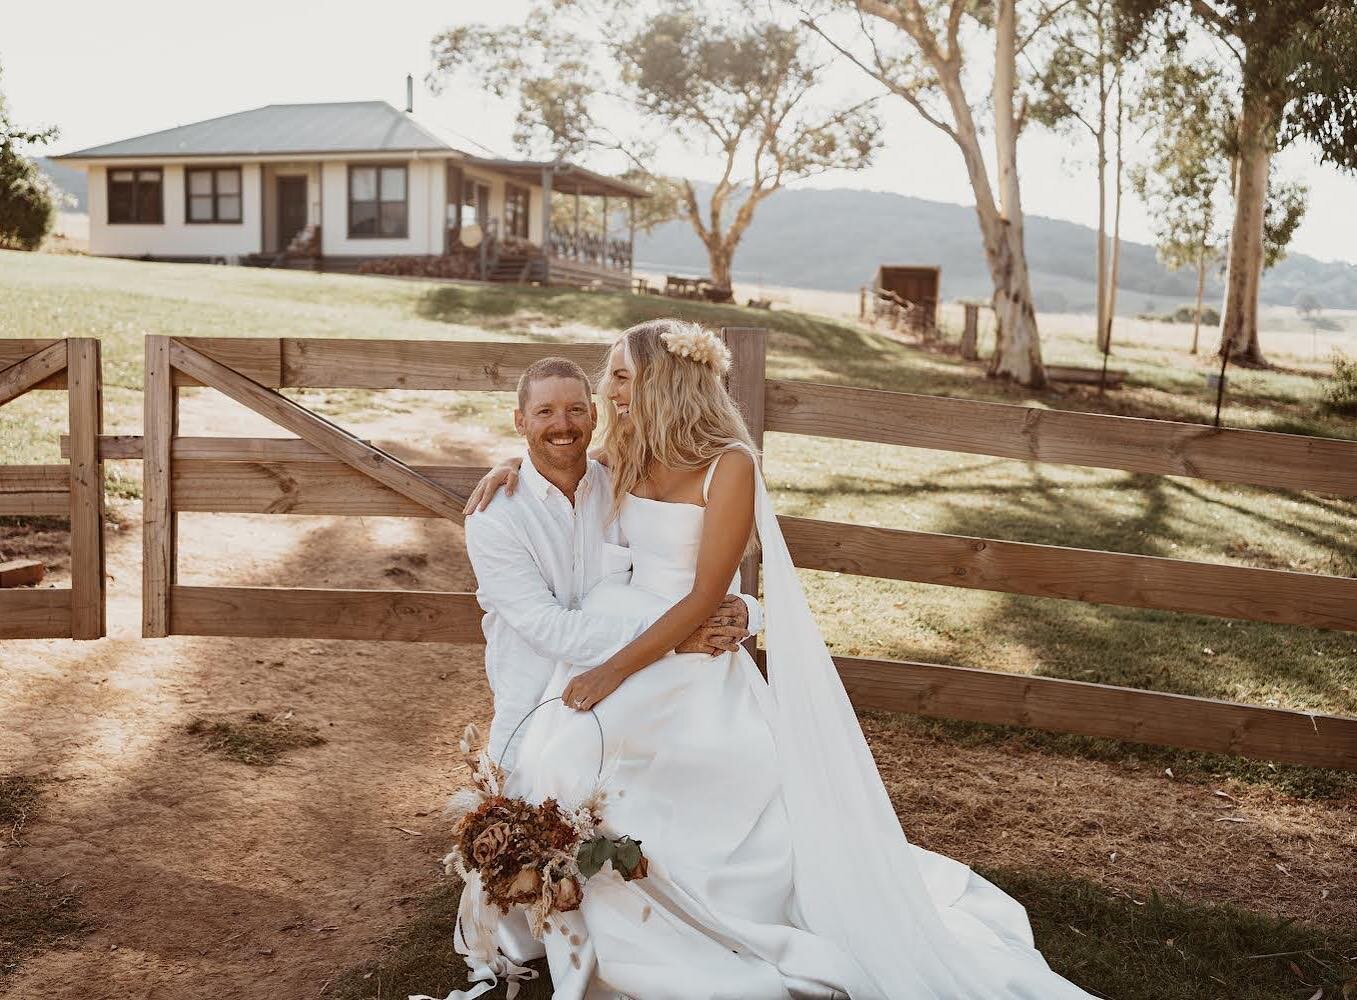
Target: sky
[(103, 71)]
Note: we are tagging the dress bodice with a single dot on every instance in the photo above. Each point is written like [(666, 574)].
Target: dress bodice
[(664, 537)]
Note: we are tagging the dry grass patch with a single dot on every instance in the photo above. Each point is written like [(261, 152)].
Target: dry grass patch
[(254, 738), (19, 796), (34, 917)]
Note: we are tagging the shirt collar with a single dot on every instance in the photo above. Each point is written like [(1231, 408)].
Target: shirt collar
[(542, 487)]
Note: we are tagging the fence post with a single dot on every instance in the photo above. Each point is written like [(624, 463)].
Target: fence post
[(85, 404), (748, 350), (157, 513), (971, 332)]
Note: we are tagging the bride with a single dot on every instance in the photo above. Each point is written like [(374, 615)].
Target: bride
[(778, 868)]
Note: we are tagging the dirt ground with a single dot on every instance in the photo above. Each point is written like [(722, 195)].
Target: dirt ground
[(203, 877)]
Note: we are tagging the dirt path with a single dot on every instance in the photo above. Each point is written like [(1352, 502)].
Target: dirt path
[(204, 877)]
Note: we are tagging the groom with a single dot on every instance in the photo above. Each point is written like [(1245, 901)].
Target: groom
[(537, 552)]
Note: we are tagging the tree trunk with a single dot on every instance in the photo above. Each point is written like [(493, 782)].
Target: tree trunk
[(1017, 352), (1114, 275), (1201, 290), (1239, 317), (1100, 329), (718, 262)]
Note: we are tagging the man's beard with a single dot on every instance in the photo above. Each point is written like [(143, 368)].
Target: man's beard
[(559, 457)]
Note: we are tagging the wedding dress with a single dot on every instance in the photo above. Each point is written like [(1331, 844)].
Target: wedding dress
[(778, 868)]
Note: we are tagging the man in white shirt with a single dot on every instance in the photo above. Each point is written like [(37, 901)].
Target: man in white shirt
[(538, 551)]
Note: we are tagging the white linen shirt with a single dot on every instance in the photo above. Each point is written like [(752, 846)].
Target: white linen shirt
[(535, 556)]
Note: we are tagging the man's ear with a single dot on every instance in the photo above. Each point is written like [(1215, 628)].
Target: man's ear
[(519, 424), (593, 413)]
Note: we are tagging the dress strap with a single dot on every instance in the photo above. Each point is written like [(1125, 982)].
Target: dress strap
[(711, 471)]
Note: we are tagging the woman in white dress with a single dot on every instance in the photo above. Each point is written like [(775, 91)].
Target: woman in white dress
[(778, 868)]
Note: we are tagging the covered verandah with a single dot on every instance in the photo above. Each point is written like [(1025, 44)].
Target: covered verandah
[(587, 239)]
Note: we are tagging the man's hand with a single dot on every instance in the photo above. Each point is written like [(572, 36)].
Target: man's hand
[(722, 632)]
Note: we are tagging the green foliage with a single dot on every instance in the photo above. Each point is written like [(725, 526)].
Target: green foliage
[(1187, 167), (1282, 217), (1189, 104), (28, 198), (1340, 392), (1299, 55)]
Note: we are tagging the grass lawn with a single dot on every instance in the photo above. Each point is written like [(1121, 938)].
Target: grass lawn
[(1125, 950), (120, 301)]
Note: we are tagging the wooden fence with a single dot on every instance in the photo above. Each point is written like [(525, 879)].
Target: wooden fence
[(329, 471), (74, 490)]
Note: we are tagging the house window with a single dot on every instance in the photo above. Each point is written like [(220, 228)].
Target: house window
[(377, 202), (134, 195), (212, 194), (475, 203), (516, 210)]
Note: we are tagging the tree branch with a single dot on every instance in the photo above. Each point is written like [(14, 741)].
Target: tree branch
[(895, 88)]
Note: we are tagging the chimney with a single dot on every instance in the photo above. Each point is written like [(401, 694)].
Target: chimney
[(409, 94)]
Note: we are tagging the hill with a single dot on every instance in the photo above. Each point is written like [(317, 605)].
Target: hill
[(72, 181), (834, 239)]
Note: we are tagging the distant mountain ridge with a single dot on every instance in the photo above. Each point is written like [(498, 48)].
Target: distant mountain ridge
[(74, 182), (835, 239)]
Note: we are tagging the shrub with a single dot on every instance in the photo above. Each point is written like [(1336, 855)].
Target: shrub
[(451, 266), (1340, 392), (28, 201)]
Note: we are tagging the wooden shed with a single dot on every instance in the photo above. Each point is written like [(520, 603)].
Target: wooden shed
[(914, 287)]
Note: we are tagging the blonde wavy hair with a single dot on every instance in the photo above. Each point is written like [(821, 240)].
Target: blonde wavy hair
[(681, 415)]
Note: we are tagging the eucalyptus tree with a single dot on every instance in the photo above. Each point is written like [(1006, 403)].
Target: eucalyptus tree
[(727, 78), (1079, 65), (1295, 62), (930, 54)]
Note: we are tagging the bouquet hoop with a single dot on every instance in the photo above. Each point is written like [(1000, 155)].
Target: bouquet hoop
[(509, 742)]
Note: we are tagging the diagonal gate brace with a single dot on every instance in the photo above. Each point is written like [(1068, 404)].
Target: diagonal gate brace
[(386, 469)]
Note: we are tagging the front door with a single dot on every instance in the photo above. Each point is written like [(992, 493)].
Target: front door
[(291, 209)]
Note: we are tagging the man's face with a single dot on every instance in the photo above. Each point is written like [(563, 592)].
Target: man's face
[(558, 421)]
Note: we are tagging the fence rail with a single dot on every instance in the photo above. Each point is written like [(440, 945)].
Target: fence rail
[(326, 470)]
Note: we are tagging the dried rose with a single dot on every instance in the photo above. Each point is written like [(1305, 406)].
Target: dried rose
[(565, 895), (525, 887), (492, 841)]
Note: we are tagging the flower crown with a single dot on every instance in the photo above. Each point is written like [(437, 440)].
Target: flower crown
[(696, 344)]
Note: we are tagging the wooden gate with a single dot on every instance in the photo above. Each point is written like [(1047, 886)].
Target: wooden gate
[(331, 472), (74, 490), (328, 471)]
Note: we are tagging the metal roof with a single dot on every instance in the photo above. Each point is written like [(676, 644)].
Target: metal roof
[(352, 126), (567, 178)]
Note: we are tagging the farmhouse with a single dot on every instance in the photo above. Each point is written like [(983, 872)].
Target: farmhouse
[(353, 186)]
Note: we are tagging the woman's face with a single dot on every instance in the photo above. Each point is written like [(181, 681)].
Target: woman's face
[(621, 375)]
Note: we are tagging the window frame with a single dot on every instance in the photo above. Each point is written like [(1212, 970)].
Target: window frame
[(216, 219), (405, 201), (137, 171)]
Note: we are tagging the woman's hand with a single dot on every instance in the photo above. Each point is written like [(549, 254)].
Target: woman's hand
[(591, 687), (505, 474)]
